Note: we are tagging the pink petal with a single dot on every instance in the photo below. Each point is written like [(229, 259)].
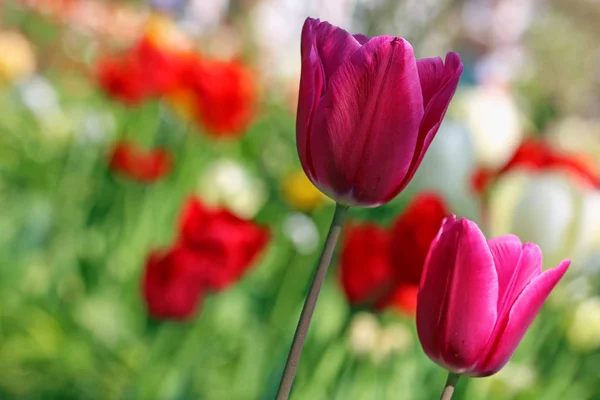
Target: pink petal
[(454, 328), (365, 128), (311, 89), (507, 252), (435, 109), (521, 315), (518, 275)]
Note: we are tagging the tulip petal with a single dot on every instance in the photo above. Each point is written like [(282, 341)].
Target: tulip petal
[(365, 128), (435, 108), (360, 38), (335, 46), (507, 252), (522, 314), (312, 86), (459, 268), (431, 75), (518, 275), (323, 48)]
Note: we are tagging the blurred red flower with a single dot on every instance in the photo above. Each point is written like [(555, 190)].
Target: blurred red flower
[(366, 270), (536, 155), (382, 268), (219, 95), (143, 71), (119, 78), (225, 96), (133, 162), (227, 243), (173, 284)]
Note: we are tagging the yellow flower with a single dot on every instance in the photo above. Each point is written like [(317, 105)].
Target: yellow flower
[(300, 193), (162, 31), (17, 59)]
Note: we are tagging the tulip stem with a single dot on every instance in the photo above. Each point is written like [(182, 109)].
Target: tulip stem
[(450, 385), (289, 372)]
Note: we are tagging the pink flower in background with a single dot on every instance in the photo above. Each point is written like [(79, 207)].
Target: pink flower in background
[(478, 297), (367, 111)]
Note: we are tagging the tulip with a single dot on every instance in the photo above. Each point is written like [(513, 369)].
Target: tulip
[(132, 162), (174, 283), (367, 111), (224, 241), (477, 298)]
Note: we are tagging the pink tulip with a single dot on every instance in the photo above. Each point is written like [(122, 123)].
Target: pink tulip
[(477, 298), (367, 111)]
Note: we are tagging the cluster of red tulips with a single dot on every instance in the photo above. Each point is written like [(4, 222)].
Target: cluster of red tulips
[(213, 250), (394, 256), (218, 95)]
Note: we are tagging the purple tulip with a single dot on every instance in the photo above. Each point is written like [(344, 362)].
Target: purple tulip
[(367, 111), (478, 298)]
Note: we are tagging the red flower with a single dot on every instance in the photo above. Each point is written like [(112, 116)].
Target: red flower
[(382, 268), (173, 284), (120, 79), (412, 234), (366, 271), (143, 71), (128, 160), (535, 155), (226, 242), (161, 69), (219, 95), (222, 95)]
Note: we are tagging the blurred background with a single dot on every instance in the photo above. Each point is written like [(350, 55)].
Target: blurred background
[(157, 233)]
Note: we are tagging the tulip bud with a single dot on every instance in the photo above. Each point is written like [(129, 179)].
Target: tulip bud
[(478, 297), (367, 111)]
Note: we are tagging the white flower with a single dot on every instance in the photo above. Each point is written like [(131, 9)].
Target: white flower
[(302, 232), (550, 209), (368, 338), (228, 183), (364, 330), (493, 119), (446, 173)]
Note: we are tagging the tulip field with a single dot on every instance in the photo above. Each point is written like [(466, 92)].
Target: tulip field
[(272, 200)]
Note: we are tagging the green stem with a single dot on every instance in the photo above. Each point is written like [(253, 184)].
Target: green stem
[(450, 385), (311, 300)]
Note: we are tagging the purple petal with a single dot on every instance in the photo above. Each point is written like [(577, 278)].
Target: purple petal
[(335, 46), (435, 109), (310, 92), (360, 38), (431, 75), (522, 314), (365, 128), (459, 269)]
